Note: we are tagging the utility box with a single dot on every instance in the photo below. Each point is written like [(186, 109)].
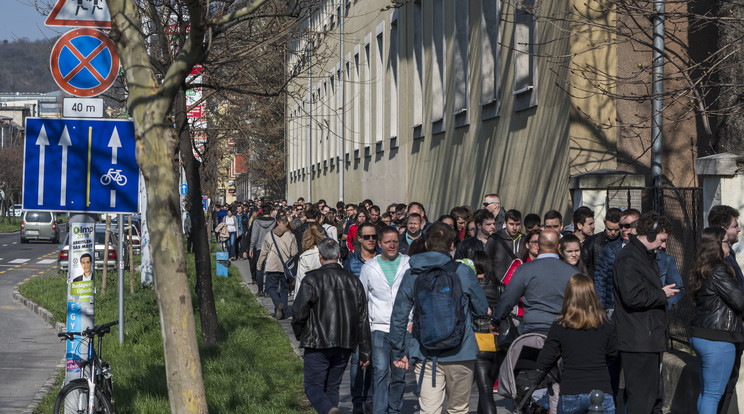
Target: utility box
[(222, 264)]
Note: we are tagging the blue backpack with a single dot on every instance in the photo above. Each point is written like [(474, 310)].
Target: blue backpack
[(438, 316)]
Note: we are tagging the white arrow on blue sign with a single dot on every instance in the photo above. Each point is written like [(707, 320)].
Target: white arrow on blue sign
[(80, 165), (184, 189)]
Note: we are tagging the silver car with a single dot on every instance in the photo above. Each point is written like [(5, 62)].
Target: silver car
[(39, 225), (100, 250)]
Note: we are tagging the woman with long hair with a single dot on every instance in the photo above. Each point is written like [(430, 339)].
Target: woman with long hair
[(716, 328), (570, 248), (531, 248), (309, 259), (489, 357), (361, 217), (586, 341)]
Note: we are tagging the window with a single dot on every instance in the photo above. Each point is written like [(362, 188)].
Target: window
[(356, 126), (489, 99), (437, 66), (392, 64), (418, 69), (367, 88), (379, 77), (460, 64), (525, 55)]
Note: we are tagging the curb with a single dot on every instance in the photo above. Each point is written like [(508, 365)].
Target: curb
[(48, 386)]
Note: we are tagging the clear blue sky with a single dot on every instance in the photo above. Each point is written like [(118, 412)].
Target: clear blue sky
[(19, 18)]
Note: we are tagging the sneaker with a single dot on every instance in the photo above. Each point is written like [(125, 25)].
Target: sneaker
[(260, 293), (358, 409), (368, 407), (279, 313)]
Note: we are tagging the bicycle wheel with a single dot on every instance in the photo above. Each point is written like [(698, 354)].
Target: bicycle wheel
[(74, 399), (105, 180)]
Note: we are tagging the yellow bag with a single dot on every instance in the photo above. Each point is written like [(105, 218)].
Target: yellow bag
[(486, 342)]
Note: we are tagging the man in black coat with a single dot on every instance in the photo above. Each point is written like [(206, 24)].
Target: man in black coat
[(330, 319), (485, 225), (640, 313)]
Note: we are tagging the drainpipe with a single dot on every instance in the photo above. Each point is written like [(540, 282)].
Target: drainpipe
[(657, 102), (309, 170), (341, 166)]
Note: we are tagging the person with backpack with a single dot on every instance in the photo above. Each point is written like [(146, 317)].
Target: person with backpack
[(446, 298)]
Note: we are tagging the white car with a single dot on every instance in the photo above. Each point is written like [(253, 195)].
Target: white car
[(17, 210)]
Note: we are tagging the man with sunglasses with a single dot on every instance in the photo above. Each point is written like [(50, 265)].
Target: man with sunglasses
[(492, 203), (606, 262), (361, 380), (593, 246)]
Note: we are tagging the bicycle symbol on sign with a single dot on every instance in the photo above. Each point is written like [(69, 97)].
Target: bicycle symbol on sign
[(115, 176)]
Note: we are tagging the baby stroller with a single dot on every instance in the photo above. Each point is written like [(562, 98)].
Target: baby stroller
[(519, 377)]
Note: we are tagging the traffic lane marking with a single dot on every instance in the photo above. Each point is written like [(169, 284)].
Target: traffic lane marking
[(18, 261), (12, 307)]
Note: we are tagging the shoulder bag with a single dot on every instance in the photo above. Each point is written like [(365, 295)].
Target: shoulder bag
[(290, 269)]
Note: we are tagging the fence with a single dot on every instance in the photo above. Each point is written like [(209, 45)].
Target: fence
[(683, 206)]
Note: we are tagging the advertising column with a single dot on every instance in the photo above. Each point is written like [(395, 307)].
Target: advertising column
[(80, 289)]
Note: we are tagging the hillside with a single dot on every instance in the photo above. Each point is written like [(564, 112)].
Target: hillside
[(24, 66)]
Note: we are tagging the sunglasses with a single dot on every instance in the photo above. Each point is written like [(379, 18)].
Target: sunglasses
[(492, 202), (369, 236), (627, 225)]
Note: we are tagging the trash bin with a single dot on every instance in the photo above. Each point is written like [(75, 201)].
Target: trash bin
[(222, 264)]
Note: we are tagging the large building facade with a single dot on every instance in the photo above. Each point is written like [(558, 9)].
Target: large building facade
[(444, 101)]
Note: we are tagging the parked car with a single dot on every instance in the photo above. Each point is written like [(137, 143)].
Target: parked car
[(17, 210), (100, 234), (39, 225), (135, 233)]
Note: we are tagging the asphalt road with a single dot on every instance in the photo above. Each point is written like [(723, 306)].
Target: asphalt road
[(29, 347)]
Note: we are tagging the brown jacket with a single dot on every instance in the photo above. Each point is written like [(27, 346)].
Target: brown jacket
[(287, 245)]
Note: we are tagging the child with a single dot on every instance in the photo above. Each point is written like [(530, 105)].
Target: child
[(584, 338)]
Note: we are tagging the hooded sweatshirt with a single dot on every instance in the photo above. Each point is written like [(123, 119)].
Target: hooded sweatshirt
[(259, 230), (502, 260)]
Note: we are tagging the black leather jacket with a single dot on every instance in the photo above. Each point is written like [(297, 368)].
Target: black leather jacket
[(719, 305), (468, 247), (330, 311)]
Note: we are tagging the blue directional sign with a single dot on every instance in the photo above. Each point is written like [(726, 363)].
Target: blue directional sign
[(184, 189), (80, 165)]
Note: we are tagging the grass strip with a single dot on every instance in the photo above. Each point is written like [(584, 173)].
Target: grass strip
[(253, 370), (10, 224)]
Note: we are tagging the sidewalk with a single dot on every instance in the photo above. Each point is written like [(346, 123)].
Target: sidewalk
[(410, 401)]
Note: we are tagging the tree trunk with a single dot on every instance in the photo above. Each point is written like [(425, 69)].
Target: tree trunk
[(149, 103), (202, 255)]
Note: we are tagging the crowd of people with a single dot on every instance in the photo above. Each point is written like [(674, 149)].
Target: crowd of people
[(600, 299)]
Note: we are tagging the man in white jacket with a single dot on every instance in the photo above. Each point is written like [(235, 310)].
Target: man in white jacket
[(381, 278)]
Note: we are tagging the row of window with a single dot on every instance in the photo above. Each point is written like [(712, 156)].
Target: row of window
[(362, 90)]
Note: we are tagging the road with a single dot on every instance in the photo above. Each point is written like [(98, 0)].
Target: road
[(30, 348)]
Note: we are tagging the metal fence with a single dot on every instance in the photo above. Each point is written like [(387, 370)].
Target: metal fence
[(683, 206)]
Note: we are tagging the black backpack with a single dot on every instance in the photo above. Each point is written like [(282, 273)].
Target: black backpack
[(438, 316)]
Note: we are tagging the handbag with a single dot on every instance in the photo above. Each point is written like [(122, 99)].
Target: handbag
[(507, 332), (290, 269)]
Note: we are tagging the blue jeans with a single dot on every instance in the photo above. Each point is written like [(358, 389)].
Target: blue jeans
[(386, 397), (323, 370), (360, 380), (715, 362), (274, 280), (579, 404), (231, 244)]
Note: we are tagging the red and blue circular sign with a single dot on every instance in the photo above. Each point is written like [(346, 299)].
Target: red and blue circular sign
[(84, 62)]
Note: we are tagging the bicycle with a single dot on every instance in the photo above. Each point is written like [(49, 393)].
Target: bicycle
[(93, 392), (113, 175)]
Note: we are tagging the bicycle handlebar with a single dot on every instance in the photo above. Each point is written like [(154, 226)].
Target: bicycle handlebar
[(99, 330)]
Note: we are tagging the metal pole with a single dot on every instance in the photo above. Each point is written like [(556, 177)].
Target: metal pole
[(341, 166), (658, 88), (120, 220), (308, 172)]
